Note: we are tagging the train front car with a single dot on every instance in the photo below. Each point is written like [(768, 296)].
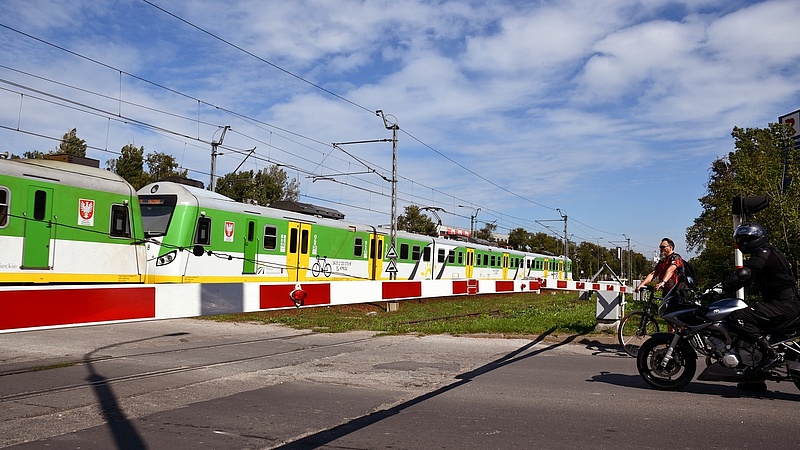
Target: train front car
[(62, 222), (198, 236)]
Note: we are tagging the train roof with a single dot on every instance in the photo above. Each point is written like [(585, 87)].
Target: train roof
[(66, 173), (218, 201)]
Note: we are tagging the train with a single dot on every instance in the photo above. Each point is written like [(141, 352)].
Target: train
[(62, 222)]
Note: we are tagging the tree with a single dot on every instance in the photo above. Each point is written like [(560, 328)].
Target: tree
[(755, 167), (486, 232), (518, 239), (71, 144), (263, 187), (162, 166), (414, 221), (130, 166)]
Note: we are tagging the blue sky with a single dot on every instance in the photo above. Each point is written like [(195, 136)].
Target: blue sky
[(609, 111)]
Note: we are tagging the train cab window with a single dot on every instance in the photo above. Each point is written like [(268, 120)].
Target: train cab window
[(4, 201), (270, 237), (426, 254), (120, 222), (202, 235), (415, 253), (358, 247), (403, 251), (156, 213)]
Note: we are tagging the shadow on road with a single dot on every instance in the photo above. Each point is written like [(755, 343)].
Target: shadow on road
[(125, 435), (725, 390), (324, 437)]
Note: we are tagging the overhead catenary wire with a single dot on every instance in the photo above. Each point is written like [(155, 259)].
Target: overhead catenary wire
[(164, 130)]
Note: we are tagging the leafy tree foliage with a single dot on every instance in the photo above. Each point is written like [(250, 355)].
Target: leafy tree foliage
[(486, 232), (413, 221), (130, 166), (71, 144), (162, 166), (755, 167), (262, 187)]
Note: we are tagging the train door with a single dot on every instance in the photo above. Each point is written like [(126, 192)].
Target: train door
[(505, 266), (297, 255), (470, 263), (250, 246), (375, 261), (38, 228)]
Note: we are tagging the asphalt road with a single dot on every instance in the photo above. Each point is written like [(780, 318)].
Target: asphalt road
[(199, 384)]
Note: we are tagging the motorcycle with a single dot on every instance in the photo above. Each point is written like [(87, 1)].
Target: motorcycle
[(668, 361)]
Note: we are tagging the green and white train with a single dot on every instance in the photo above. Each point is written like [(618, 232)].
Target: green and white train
[(66, 223)]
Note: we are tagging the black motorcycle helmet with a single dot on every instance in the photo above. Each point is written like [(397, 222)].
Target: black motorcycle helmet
[(750, 237)]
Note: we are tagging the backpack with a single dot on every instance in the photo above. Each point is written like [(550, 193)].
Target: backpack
[(688, 275)]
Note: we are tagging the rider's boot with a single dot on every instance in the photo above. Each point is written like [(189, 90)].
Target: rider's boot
[(768, 356)]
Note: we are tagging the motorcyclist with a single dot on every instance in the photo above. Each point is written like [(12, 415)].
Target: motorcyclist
[(770, 271)]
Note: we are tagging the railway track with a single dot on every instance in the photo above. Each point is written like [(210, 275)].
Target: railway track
[(95, 365)]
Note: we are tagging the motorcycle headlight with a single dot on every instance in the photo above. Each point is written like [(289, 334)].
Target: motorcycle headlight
[(166, 258)]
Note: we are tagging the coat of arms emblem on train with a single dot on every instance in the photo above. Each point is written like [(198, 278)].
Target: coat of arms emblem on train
[(86, 212)]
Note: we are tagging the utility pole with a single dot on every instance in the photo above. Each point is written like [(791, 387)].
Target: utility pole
[(394, 127), (566, 238), (214, 145), (472, 218), (630, 260)]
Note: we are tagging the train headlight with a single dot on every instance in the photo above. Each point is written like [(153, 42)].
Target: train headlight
[(167, 258)]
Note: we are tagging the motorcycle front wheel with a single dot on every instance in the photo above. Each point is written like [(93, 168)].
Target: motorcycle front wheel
[(673, 375)]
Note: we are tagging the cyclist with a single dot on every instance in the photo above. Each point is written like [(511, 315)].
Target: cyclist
[(666, 269)]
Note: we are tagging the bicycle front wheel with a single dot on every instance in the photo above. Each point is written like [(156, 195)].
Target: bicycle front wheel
[(635, 328)]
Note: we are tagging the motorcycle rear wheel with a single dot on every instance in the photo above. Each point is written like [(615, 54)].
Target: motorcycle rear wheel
[(677, 373)]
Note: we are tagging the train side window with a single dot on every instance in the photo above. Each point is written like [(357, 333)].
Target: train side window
[(440, 255), (451, 256), (403, 251), (202, 235), (486, 260), (251, 231), (426, 254), (304, 242), (5, 198), (270, 237), (358, 247), (120, 222), (415, 252), (460, 257), (493, 262), (39, 205)]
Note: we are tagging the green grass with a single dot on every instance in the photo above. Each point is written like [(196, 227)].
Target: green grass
[(520, 314)]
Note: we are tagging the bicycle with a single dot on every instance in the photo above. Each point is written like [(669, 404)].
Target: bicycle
[(321, 266), (637, 326)]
